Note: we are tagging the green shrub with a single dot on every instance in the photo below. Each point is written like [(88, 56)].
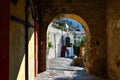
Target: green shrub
[(50, 45)]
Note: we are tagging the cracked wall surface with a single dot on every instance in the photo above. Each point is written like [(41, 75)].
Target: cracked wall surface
[(113, 39)]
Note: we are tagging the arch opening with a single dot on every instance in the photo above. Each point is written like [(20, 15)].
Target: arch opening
[(59, 36)]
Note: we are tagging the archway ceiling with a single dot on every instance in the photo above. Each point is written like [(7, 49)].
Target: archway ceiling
[(50, 6)]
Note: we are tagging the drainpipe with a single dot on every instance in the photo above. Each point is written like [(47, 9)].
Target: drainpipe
[(26, 40), (36, 31), (36, 47)]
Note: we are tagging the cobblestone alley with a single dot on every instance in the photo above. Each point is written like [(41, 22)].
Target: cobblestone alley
[(63, 69)]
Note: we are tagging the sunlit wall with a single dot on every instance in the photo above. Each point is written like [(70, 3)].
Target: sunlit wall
[(17, 69)]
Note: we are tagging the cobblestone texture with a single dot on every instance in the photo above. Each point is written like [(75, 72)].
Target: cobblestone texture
[(63, 69)]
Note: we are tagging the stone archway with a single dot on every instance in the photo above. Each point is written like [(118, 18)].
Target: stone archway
[(84, 24), (92, 46), (96, 37)]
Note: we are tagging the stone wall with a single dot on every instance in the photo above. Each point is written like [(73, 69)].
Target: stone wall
[(113, 39), (93, 12)]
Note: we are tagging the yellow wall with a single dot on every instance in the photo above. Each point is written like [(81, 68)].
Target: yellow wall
[(31, 56), (17, 51), (17, 44), (31, 49)]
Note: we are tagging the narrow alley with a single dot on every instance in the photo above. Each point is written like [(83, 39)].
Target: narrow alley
[(37, 34), (64, 69)]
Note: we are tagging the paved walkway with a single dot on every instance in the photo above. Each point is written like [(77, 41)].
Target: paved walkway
[(63, 69)]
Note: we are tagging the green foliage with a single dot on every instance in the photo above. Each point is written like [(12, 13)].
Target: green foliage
[(60, 27), (76, 50), (50, 45), (77, 45), (83, 40)]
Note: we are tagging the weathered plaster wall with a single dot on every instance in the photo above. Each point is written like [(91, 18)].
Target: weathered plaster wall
[(17, 61), (113, 39), (93, 12), (17, 42)]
